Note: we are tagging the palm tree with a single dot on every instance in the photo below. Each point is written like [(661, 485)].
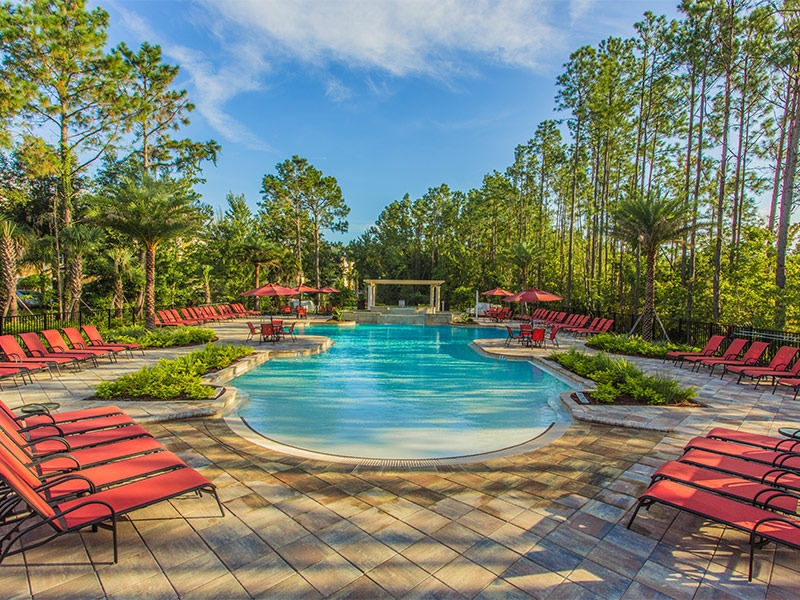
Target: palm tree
[(12, 242), (521, 255), (79, 240), (649, 223), (120, 259), (151, 211)]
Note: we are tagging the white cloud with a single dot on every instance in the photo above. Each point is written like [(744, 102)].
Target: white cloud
[(400, 37), (241, 69), (337, 91)]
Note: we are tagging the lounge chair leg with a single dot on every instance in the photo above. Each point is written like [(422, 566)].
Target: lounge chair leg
[(114, 536), (635, 512)]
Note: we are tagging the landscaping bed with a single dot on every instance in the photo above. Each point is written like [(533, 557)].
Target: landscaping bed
[(178, 379), (160, 338), (634, 346), (620, 382)]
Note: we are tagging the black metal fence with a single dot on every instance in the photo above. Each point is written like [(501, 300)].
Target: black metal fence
[(694, 332), (38, 321)]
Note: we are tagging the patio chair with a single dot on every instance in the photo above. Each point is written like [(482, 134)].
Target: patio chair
[(14, 353), (37, 350), (750, 358), (283, 332), (731, 353), (778, 367), (75, 338), (512, 337), (59, 346), (537, 337), (552, 337), (711, 347), (269, 333), (95, 509), (96, 339), (762, 525), (253, 332)]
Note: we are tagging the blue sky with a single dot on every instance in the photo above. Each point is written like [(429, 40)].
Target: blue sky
[(390, 97)]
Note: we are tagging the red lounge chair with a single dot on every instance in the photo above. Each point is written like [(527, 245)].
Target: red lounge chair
[(59, 346), (96, 509), (39, 413), (728, 485), (37, 350), (52, 457), (591, 326), (188, 316), (783, 460), (760, 472), (789, 382), (42, 428), (750, 358), (14, 353), (778, 444), (731, 354), (243, 311), (76, 340), (761, 524), (95, 339), (59, 485), (709, 349), (163, 321), (778, 367)]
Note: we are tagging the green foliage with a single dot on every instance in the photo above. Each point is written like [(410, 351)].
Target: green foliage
[(634, 345), (160, 338), (174, 379), (618, 377)]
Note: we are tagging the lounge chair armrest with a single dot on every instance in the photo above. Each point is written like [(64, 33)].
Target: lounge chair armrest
[(764, 497), (67, 477), (40, 460), (21, 418), (40, 426), (51, 438), (781, 446), (775, 519), (39, 407)]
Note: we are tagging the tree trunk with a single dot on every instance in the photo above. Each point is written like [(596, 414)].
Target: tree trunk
[(116, 299), (150, 288), (648, 313), (776, 185), (573, 194), (786, 210), (75, 279), (723, 169), (8, 256)]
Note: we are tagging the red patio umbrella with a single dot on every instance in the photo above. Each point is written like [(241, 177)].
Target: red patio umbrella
[(270, 290), (328, 290), (302, 289), (533, 295), (497, 292)]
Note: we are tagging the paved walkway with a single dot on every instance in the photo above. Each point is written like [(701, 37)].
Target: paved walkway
[(545, 524)]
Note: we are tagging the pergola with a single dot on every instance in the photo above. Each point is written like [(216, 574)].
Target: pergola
[(435, 287)]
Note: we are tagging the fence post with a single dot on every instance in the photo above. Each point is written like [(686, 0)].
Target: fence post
[(45, 321), (109, 318)]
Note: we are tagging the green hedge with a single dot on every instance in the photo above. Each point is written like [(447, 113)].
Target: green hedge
[(634, 345), (160, 338), (617, 378), (181, 378)]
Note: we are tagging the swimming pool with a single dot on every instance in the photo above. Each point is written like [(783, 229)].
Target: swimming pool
[(400, 391)]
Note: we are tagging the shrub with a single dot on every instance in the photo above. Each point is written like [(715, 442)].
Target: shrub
[(617, 377), (174, 379), (634, 345), (160, 338)]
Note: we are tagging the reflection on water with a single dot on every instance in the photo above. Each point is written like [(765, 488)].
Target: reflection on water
[(399, 391)]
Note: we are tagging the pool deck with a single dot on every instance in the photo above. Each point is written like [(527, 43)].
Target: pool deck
[(544, 524)]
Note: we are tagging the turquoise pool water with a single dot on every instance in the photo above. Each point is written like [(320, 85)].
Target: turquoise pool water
[(400, 391)]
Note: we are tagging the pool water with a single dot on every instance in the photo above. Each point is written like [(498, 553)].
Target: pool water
[(400, 391)]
